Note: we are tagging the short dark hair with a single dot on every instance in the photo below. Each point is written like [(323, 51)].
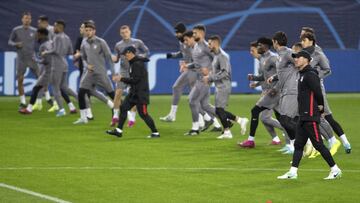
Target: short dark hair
[(200, 27), (216, 38), (253, 44), (265, 41), (188, 34), (308, 29), (26, 13), (43, 31), (90, 24), (124, 27), (43, 18), (60, 22), (281, 38), (309, 36), (298, 44), (180, 27)]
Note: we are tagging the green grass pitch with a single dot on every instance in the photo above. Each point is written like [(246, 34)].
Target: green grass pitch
[(52, 156)]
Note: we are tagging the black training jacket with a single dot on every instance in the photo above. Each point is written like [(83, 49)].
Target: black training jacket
[(309, 95), (138, 81)]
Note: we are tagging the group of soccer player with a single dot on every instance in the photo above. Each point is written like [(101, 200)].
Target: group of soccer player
[(201, 64)]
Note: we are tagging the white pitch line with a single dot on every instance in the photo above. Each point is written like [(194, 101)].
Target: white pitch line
[(36, 194), (164, 169)]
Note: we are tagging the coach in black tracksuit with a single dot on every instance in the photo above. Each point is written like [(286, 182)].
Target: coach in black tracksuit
[(138, 95), (311, 106)]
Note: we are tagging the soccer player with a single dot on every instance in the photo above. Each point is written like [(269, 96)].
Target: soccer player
[(266, 114), (200, 93), (286, 86), (77, 60), (321, 63), (141, 50), (22, 38), (96, 56), (61, 48), (138, 95), (186, 78), (311, 106), (221, 76), (268, 100), (43, 22), (45, 65)]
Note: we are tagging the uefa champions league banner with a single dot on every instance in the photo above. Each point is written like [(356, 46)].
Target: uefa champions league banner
[(238, 22), (163, 73)]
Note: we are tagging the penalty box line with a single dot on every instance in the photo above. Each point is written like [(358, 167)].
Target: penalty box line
[(32, 193)]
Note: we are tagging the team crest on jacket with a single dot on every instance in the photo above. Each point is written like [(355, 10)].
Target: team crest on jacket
[(95, 46)]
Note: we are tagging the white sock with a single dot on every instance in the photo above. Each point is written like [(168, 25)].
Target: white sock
[(216, 123), (47, 96), (116, 113), (71, 106), (173, 110), (110, 104), (239, 119), (335, 168), (131, 116), (227, 131), (88, 113), (39, 101), (83, 114), (344, 139), (201, 120), (332, 140), (22, 99), (251, 138), (29, 107), (207, 117), (195, 126), (292, 142), (62, 110), (294, 170), (118, 130), (276, 139)]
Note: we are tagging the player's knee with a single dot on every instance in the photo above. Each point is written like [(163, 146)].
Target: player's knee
[(175, 87), (37, 88), (265, 120), (123, 109), (192, 102), (330, 119), (299, 144), (118, 91), (255, 111), (142, 115), (319, 146), (20, 78), (82, 92)]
